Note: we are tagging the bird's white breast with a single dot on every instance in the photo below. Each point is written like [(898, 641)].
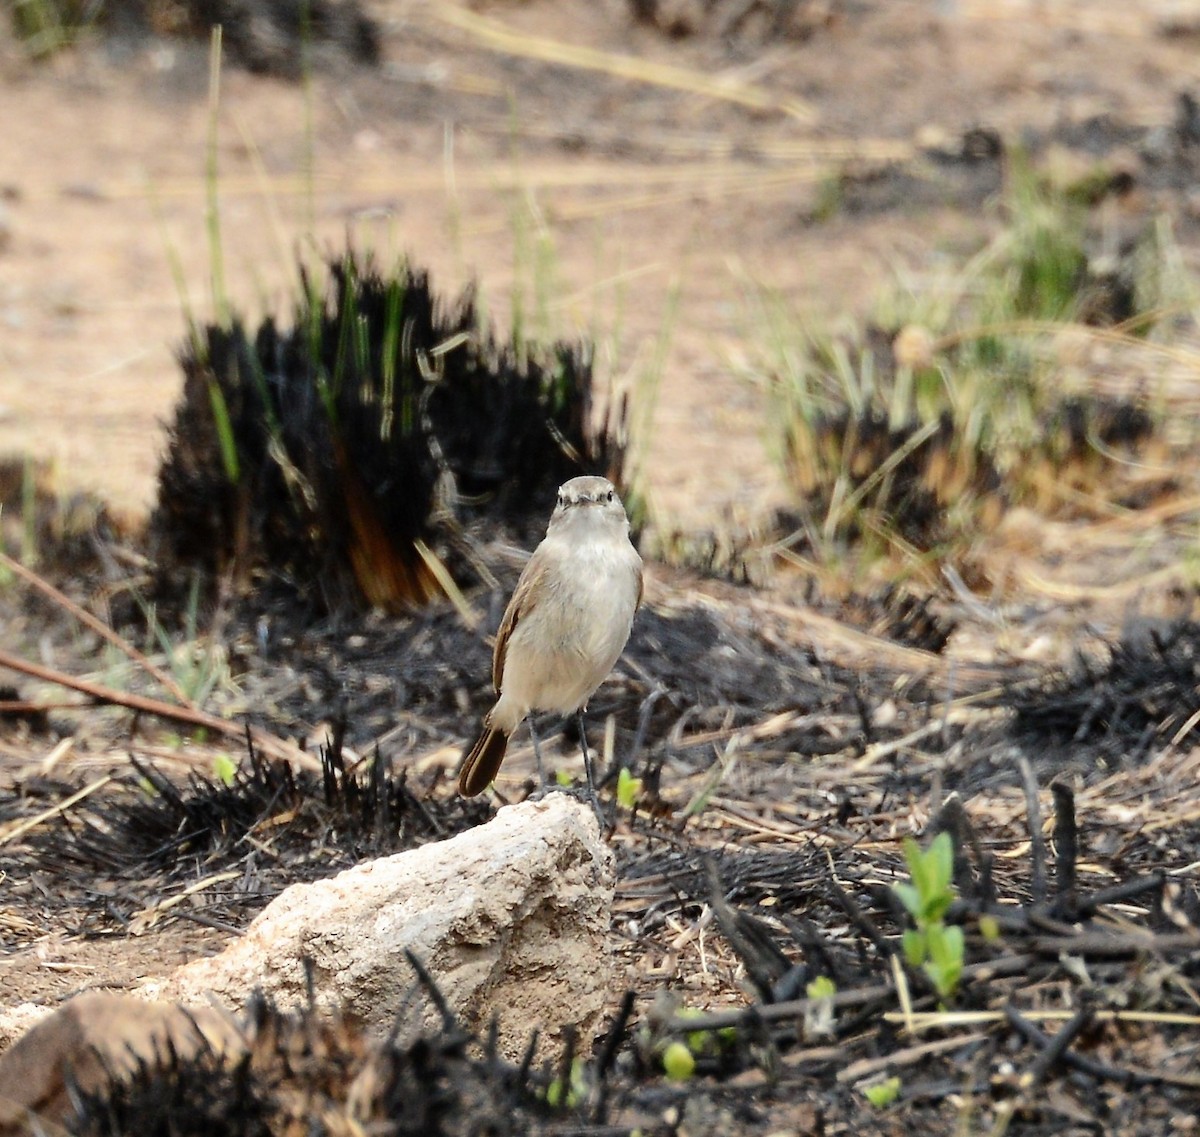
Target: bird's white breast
[(562, 651)]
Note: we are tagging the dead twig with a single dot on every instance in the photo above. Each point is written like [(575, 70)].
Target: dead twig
[(267, 743), (1066, 844), (32, 822), (98, 626), (1052, 1049), (1055, 1048), (1037, 843)]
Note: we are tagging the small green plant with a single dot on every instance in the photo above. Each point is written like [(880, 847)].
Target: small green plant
[(678, 1061), (628, 788), (934, 947), (573, 1093), (198, 663), (703, 1043), (882, 1094), (224, 769), (698, 1041), (1039, 259), (819, 1018), (821, 988)]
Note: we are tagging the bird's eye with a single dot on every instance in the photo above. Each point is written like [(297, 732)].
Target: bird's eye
[(610, 495)]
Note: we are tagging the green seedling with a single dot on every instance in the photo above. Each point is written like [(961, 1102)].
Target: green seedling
[(699, 1041), (818, 1018), (932, 946), (576, 1090), (821, 988), (563, 778), (628, 788), (704, 1043), (224, 769), (678, 1061), (882, 1094)]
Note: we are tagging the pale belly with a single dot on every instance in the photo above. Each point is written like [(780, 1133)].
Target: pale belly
[(566, 647)]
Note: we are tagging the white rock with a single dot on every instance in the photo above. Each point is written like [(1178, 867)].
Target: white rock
[(15, 1021), (510, 918)]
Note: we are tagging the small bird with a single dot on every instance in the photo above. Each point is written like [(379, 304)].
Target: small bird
[(567, 622)]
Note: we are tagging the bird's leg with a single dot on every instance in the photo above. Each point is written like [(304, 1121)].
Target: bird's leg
[(537, 753), (587, 770)]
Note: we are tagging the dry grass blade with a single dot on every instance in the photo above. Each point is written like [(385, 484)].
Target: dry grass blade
[(97, 626), (267, 743), (33, 822), (148, 917), (447, 583), (499, 38), (944, 1020), (865, 1067)]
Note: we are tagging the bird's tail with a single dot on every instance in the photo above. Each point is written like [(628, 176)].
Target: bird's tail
[(482, 761)]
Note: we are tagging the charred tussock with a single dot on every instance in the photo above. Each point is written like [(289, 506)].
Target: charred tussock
[(843, 453), (306, 1074), (1088, 448), (1123, 710), (271, 36), (862, 476), (59, 532), (737, 22), (277, 826), (349, 457), (276, 37)]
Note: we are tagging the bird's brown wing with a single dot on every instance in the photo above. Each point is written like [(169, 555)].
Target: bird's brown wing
[(524, 598)]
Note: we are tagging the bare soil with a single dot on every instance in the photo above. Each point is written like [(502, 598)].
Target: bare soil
[(639, 187)]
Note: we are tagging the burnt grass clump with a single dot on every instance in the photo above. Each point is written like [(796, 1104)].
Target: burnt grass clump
[(844, 450), (1125, 709), (350, 456), (307, 1073), (913, 481), (276, 37), (155, 834)]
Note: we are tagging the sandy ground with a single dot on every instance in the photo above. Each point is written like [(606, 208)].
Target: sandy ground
[(480, 161)]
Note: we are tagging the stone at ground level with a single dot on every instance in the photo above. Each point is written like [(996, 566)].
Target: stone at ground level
[(510, 918)]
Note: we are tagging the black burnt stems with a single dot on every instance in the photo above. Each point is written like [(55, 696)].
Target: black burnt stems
[(348, 455)]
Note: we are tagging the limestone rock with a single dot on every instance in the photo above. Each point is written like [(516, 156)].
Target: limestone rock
[(15, 1021), (510, 918)]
